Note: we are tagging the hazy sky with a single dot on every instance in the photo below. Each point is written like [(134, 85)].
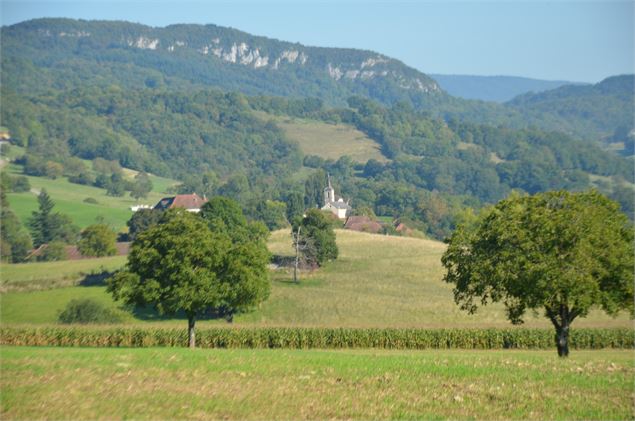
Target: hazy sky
[(567, 40)]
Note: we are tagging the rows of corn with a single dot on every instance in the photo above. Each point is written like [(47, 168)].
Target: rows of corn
[(297, 337)]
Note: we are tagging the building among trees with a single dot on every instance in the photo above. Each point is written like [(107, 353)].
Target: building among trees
[(335, 204), (191, 202), (363, 223)]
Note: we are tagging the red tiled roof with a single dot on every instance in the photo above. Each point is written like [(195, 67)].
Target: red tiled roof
[(363, 223), (186, 201)]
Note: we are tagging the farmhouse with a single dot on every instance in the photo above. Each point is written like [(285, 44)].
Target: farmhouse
[(190, 202), (364, 224), (335, 204)]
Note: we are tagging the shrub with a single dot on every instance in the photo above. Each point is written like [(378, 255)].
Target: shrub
[(54, 251), (91, 200), (97, 240), (20, 184), (87, 310), (84, 178), (54, 170)]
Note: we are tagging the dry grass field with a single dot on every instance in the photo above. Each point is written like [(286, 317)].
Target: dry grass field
[(330, 140), (378, 281), (381, 281)]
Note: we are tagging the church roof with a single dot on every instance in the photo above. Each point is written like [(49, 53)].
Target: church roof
[(338, 205)]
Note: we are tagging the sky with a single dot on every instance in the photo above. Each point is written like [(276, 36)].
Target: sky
[(572, 40)]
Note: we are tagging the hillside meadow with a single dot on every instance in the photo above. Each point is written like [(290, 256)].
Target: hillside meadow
[(70, 198), (378, 281), (326, 140)]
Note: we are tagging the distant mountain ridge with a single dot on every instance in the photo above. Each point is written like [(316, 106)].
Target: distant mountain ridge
[(494, 88)]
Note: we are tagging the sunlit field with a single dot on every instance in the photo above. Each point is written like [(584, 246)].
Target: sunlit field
[(176, 383), (378, 281)]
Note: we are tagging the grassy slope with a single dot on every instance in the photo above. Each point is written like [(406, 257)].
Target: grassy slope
[(377, 281), (313, 384), (328, 140), (69, 199), (45, 275)]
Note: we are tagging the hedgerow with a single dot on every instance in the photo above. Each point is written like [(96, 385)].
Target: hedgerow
[(298, 338)]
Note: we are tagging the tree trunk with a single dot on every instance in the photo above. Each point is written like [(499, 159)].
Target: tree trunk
[(562, 339), (297, 255), (190, 330)]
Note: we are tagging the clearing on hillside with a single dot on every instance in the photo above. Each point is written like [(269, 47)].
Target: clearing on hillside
[(330, 141)]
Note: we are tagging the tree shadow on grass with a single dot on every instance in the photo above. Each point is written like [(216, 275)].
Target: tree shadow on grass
[(150, 314), (96, 279)]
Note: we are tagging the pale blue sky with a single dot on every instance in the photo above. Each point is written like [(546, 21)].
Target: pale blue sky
[(567, 40)]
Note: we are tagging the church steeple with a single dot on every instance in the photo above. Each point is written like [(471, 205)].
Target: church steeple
[(329, 192)]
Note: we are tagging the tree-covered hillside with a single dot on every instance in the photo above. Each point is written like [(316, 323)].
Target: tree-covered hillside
[(587, 111), (62, 53), (44, 54), (165, 133), (219, 143)]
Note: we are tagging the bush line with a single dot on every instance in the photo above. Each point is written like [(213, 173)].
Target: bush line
[(298, 338)]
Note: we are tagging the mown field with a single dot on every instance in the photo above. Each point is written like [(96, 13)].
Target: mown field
[(378, 281), (330, 141), (176, 383), (69, 198)]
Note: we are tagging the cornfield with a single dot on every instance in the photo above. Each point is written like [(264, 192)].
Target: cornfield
[(301, 338)]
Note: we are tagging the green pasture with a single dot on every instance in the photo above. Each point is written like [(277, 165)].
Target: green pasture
[(69, 199), (378, 281), (178, 383)]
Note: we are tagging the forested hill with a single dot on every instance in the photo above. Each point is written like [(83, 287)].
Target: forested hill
[(605, 108), (64, 53)]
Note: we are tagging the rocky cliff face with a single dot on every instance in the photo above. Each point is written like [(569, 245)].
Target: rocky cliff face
[(218, 46)]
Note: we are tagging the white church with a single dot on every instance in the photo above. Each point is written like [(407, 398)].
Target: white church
[(335, 204)]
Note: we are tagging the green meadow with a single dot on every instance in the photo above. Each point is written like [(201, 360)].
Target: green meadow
[(179, 383), (378, 281), (69, 198)]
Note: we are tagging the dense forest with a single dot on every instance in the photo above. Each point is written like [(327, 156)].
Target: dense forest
[(165, 133)]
